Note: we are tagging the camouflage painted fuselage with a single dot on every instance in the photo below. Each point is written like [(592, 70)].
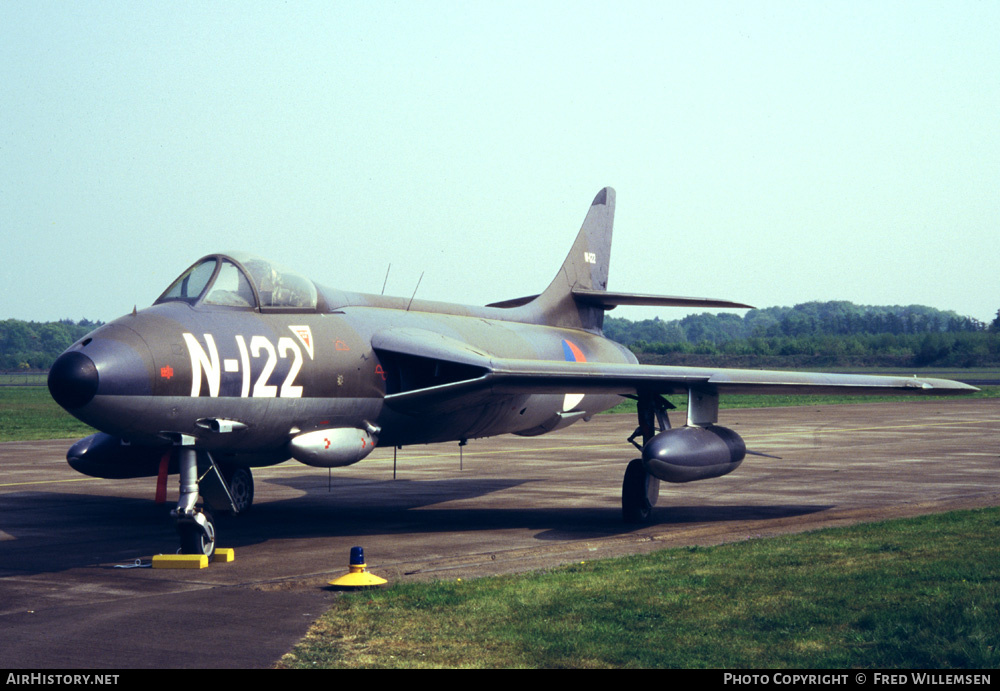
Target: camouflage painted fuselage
[(166, 370)]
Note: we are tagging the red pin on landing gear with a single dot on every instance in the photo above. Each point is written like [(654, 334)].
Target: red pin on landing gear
[(357, 577)]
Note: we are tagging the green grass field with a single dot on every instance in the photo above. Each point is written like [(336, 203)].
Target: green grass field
[(28, 412), (915, 593)]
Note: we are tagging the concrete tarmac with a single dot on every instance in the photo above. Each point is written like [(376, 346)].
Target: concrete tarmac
[(69, 600)]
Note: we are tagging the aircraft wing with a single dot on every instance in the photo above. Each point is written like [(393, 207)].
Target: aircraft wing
[(626, 378), (476, 376)]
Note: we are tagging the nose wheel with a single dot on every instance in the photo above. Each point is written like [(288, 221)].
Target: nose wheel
[(197, 533)]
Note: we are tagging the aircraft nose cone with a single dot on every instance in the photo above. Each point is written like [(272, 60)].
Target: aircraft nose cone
[(73, 380)]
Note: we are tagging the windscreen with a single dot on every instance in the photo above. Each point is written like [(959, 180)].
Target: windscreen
[(191, 284), (240, 281)]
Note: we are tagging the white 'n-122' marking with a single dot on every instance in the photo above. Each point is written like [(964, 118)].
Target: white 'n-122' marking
[(207, 363)]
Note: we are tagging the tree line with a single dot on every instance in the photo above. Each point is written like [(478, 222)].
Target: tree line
[(29, 346), (817, 334)]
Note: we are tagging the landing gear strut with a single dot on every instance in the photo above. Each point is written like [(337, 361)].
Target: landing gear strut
[(640, 490), (229, 490), (194, 525)]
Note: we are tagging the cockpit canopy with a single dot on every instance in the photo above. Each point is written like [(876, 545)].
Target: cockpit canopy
[(243, 281)]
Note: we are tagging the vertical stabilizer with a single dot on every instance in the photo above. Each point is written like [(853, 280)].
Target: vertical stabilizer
[(586, 267)]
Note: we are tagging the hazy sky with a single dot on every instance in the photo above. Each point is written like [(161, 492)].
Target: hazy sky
[(765, 152)]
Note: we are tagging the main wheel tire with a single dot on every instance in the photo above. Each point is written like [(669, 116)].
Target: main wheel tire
[(240, 484), (197, 538), (639, 493)]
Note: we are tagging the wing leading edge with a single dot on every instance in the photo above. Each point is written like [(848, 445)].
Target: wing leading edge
[(507, 376)]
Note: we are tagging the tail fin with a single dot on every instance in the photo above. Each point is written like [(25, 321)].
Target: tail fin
[(585, 268), (578, 296)]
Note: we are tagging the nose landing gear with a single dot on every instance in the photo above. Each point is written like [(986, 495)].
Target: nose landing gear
[(195, 528), (231, 492)]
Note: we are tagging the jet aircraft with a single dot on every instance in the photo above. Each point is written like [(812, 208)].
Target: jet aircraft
[(241, 363)]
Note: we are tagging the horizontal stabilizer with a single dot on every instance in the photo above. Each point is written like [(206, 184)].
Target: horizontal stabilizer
[(608, 299)]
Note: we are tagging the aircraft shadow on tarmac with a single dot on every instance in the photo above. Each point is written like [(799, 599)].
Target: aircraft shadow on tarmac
[(50, 532), (365, 507)]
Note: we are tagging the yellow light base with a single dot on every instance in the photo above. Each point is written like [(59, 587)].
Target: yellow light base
[(357, 578), (180, 561)]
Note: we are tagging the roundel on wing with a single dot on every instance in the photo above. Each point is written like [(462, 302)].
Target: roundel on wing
[(572, 352)]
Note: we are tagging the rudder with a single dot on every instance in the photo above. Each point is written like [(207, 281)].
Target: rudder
[(585, 267)]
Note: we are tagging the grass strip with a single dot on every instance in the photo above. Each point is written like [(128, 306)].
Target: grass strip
[(28, 412), (911, 593)]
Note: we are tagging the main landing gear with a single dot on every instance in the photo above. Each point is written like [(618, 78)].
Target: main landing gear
[(239, 482), (640, 490), (229, 490)]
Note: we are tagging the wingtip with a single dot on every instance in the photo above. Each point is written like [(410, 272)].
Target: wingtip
[(608, 193), (946, 386)]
